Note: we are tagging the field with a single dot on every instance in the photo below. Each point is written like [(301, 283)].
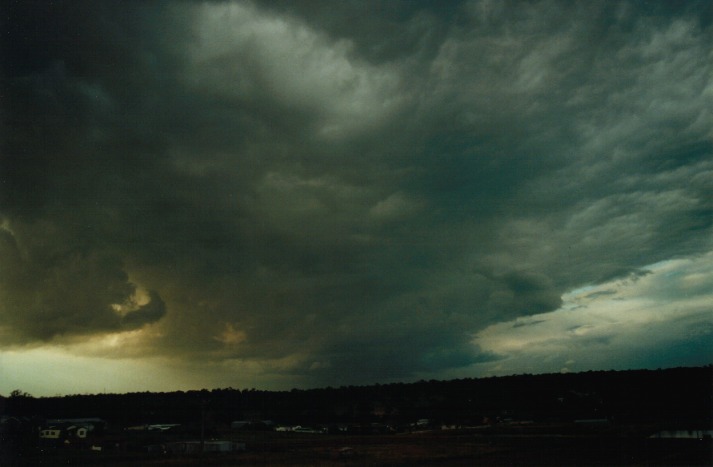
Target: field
[(535, 446)]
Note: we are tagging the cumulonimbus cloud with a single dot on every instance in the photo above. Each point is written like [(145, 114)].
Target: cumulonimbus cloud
[(320, 186)]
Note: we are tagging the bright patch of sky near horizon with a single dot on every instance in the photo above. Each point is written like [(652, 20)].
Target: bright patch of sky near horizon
[(618, 325), (623, 318), (298, 194)]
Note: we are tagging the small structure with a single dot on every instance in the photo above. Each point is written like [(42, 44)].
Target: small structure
[(162, 426), (592, 423), (90, 423), (684, 434), (218, 446), (257, 425), (194, 447), (77, 431), (50, 433), (69, 432)]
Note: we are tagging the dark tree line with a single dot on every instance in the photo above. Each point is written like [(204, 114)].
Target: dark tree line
[(679, 397)]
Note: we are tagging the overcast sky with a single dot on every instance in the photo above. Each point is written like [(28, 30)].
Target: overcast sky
[(299, 194)]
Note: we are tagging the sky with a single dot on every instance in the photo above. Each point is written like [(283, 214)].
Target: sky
[(314, 193)]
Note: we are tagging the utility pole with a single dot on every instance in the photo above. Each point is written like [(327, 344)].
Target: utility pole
[(203, 404)]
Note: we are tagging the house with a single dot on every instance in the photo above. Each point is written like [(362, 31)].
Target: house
[(194, 447), (260, 425), (162, 426), (69, 431), (684, 434), (50, 433), (218, 446), (90, 424), (591, 421)]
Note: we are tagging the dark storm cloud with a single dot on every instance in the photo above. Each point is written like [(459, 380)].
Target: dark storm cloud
[(351, 185), (47, 294), (144, 314)]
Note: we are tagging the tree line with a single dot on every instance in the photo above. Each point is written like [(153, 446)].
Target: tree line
[(678, 397)]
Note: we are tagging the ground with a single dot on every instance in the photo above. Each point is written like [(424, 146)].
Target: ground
[(457, 447)]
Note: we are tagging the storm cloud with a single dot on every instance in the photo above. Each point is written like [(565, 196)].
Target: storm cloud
[(341, 192)]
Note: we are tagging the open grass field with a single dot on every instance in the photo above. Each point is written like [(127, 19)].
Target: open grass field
[(458, 448)]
